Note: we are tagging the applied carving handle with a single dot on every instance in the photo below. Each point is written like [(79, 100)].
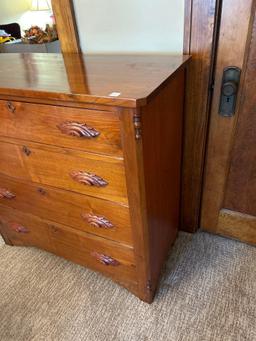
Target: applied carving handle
[(78, 129), (97, 221), (18, 228), (88, 179), (6, 194), (104, 259)]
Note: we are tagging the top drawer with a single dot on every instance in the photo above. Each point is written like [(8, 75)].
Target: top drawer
[(84, 129)]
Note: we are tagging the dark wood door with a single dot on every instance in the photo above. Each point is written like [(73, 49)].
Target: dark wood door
[(229, 195)]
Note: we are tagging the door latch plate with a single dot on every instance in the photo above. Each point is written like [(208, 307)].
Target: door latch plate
[(229, 90)]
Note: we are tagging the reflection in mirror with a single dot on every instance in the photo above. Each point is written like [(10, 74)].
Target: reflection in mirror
[(28, 26)]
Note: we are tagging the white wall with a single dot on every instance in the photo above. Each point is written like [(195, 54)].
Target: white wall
[(12, 10), (18, 11), (130, 25)]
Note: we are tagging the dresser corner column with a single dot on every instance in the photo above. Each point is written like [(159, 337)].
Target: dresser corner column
[(131, 131)]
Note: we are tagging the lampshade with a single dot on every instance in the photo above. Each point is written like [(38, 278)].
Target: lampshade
[(40, 5)]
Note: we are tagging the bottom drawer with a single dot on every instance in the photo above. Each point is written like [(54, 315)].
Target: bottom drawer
[(107, 257)]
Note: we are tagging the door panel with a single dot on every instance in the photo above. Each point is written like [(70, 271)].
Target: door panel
[(241, 184), (229, 183)]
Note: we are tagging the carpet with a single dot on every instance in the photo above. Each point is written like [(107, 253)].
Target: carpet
[(208, 293)]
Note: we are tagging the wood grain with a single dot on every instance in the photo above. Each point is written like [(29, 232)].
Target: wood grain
[(237, 225), (162, 163), (68, 208), (45, 76), (199, 42), (133, 159), (90, 199), (39, 123), (241, 181), (52, 166), (66, 25), (72, 244), (233, 33)]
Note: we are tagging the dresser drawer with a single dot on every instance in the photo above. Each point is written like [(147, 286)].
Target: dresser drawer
[(89, 130), (86, 173), (96, 216), (96, 253)]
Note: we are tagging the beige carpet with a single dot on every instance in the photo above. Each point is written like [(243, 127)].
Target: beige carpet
[(208, 293)]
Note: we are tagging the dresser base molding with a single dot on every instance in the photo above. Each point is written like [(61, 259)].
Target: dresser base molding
[(88, 176)]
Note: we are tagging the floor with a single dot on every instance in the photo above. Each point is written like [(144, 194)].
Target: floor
[(208, 293)]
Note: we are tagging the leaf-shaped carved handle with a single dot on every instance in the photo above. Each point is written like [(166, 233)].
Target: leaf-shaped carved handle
[(104, 259), (78, 129), (88, 179), (18, 228), (97, 221), (5, 194)]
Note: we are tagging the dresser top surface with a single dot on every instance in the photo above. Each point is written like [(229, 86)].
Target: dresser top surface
[(122, 80)]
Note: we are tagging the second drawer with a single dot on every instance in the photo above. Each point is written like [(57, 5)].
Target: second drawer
[(96, 216), (94, 175)]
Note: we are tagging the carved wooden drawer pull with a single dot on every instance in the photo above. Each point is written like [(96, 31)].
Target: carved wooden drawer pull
[(88, 179), (78, 129), (5, 194), (97, 221), (11, 107), (18, 228), (106, 260)]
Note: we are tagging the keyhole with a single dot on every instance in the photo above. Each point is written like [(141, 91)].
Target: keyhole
[(228, 99)]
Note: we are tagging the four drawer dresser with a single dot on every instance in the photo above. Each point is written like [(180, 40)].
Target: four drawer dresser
[(90, 160)]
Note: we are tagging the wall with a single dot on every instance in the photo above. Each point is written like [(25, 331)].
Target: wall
[(130, 25), (12, 10), (18, 11)]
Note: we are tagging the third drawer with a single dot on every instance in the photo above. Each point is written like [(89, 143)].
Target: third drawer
[(96, 216)]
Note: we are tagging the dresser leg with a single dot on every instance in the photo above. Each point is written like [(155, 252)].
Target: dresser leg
[(6, 239)]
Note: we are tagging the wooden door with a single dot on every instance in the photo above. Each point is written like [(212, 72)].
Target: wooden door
[(229, 195)]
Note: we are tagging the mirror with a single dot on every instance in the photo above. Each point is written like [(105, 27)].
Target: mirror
[(28, 26)]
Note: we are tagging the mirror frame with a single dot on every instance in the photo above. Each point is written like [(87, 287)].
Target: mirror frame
[(64, 14)]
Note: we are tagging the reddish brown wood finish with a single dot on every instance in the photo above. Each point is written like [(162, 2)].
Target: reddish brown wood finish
[(105, 74), (66, 24), (230, 156), (71, 209), (241, 183), (78, 129), (199, 41), (162, 164), (105, 260), (110, 200), (69, 243), (38, 123), (53, 166), (88, 179), (133, 153), (97, 221)]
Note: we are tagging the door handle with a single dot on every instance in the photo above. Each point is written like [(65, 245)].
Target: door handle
[(229, 90)]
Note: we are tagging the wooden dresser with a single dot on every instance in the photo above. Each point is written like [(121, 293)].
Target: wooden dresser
[(90, 157)]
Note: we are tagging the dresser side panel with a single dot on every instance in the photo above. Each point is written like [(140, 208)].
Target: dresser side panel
[(162, 121)]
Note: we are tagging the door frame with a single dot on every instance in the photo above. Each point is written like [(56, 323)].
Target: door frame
[(200, 40), (214, 217)]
